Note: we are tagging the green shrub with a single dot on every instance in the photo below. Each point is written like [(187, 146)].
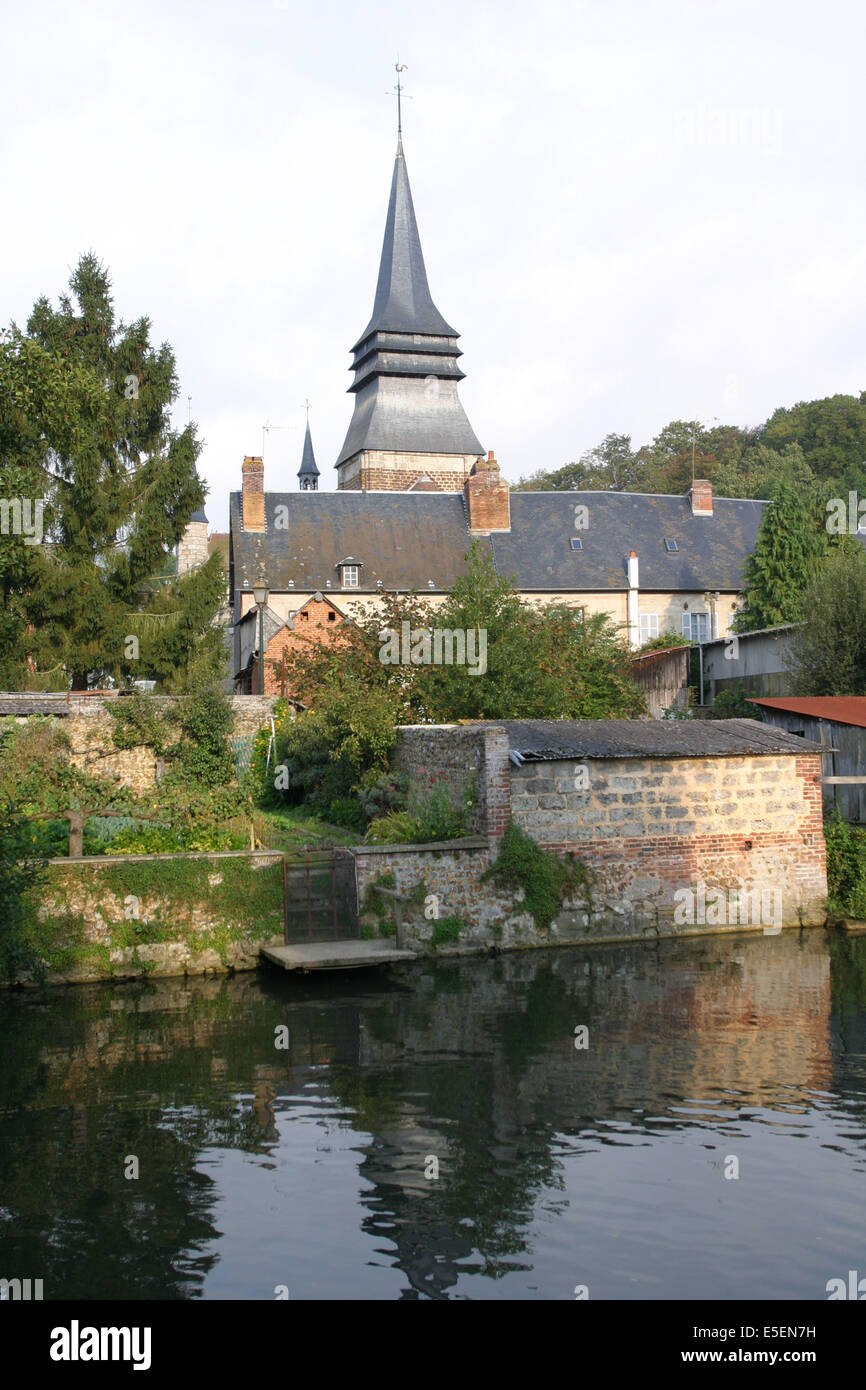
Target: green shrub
[(846, 867), (382, 792), (546, 879), (732, 703), (147, 839), (394, 828), (436, 816), (21, 870), (447, 929), (347, 811)]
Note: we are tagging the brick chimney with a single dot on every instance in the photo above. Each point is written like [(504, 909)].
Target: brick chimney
[(701, 496), (254, 494), (487, 498)]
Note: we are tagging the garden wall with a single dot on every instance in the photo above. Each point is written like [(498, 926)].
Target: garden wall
[(90, 727), (126, 916)]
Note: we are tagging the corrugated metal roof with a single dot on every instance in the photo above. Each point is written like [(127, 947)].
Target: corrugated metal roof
[(553, 740), (837, 709)]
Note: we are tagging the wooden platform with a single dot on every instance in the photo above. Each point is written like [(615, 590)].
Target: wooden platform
[(335, 955)]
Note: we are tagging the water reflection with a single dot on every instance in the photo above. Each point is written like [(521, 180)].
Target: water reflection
[(314, 1166)]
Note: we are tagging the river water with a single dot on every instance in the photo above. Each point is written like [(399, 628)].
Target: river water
[(439, 1134)]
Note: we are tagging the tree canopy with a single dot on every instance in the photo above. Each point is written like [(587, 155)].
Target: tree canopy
[(88, 448)]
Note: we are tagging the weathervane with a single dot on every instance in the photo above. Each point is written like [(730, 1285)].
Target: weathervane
[(398, 68)]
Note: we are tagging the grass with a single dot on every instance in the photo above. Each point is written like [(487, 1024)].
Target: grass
[(295, 828)]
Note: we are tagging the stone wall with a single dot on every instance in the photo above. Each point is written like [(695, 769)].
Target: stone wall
[(128, 916), (89, 725), (651, 830), (652, 827), (462, 758)]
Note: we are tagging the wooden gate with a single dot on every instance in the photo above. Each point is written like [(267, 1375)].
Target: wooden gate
[(320, 897)]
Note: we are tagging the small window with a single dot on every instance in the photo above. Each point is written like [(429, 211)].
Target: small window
[(304, 617), (350, 576), (670, 545), (649, 626), (331, 617), (576, 543)]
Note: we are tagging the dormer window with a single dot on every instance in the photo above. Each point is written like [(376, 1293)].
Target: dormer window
[(670, 545), (576, 543), (350, 572)]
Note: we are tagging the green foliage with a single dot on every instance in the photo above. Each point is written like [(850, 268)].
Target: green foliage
[(203, 755), (386, 791), (664, 639), (447, 929), (394, 828), (246, 903), (85, 425), (21, 871), (329, 749), (346, 811), (846, 868), (792, 540), (137, 721), (828, 654), (546, 879), (733, 703)]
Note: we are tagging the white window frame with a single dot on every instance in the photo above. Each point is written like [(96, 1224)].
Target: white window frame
[(649, 626), (350, 576), (703, 625)]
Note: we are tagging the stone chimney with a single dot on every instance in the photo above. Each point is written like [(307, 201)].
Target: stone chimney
[(701, 496), (254, 494), (487, 498)]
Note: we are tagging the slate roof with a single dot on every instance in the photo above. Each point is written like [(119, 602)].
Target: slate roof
[(408, 538), (838, 709), (555, 740)]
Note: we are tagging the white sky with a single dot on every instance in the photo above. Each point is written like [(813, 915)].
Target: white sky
[(632, 210)]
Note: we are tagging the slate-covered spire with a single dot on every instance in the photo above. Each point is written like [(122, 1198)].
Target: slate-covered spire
[(405, 361), (403, 301), (308, 472)]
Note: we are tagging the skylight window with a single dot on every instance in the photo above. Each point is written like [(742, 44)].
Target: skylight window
[(670, 545), (576, 543)]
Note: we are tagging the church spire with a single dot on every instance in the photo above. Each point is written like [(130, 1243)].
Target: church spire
[(308, 473), (403, 301), (406, 370)]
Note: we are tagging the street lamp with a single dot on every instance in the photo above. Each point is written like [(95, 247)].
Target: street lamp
[(260, 594)]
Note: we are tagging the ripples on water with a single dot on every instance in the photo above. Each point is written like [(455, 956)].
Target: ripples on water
[(557, 1166)]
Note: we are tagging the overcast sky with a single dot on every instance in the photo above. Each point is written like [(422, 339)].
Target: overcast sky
[(632, 210)]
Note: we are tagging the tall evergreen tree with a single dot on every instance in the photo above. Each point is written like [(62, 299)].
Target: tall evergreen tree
[(829, 652), (119, 486), (791, 542)]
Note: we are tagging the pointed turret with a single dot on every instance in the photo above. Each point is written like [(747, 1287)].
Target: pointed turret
[(308, 472), (406, 372)]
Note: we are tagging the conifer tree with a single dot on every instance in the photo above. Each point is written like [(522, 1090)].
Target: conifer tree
[(119, 486), (791, 542)]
